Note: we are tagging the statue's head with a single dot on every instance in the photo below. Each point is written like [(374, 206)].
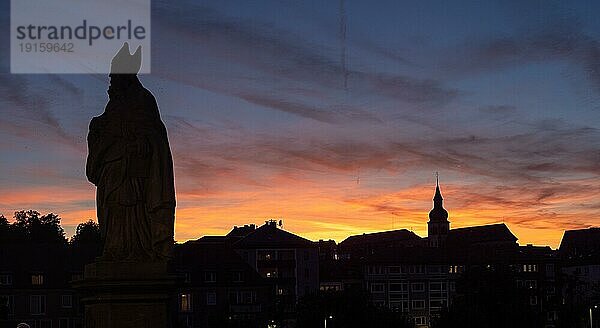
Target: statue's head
[(125, 63), (123, 70)]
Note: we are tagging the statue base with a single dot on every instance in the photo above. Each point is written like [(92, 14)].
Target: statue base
[(127, 294)]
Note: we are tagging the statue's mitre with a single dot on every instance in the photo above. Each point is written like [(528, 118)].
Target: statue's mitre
[(125, 63)]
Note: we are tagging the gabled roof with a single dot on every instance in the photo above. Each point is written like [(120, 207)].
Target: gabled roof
[(270, 236), (580, 242), (401, 235), (486, 234)]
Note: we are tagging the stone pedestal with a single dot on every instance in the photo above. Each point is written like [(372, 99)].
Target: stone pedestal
[(127, 294)]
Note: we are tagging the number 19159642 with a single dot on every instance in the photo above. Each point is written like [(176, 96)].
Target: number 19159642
[(46, 47)]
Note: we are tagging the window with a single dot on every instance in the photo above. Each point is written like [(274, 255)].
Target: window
[(552, 316), (452, 286), (549, 270), (5, 279), (394, 270), (37, 279), (455, 269), (66, 301), (266, 255), (531, 284), (533, 300), (418, 287), (9, 302), (211, 298), (37, 304), (550, 290), (377, 288), (210, 276), (271, 273), (399, 287), (238, 276), (420, 321), (399, 306), (248, 297), (437, 304), (187, 277), (185, 303), (418, 304), (376, 269), (417, 269), (530, 268), (437, 286)]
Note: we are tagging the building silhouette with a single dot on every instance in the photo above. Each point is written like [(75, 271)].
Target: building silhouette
[(256, 276)]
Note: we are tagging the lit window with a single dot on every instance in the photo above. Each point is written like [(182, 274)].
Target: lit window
[(420, 321), (37, 279), (530, 268), (455, 269), (185, 303), (66, 301), (5, 279), (271, 273), (211, 298), (37, 304)]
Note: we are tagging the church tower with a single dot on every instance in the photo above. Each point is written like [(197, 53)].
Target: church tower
[(438, 225)]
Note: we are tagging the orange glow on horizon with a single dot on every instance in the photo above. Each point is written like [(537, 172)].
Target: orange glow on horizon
[(334, 212)]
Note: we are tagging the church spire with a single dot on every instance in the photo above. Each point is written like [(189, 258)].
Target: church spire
[(438, 212), (438, 194), (438, 225)]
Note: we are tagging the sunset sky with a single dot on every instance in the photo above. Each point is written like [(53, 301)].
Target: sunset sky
[(501, 97)]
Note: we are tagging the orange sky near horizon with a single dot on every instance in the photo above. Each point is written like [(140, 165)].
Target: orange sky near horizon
[(341, 209)]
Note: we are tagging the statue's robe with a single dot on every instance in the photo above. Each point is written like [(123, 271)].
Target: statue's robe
[(129, 160)]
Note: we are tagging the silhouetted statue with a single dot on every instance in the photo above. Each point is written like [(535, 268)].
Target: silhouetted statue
[(129, 161)]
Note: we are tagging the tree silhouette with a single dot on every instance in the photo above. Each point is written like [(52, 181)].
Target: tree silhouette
[(34, 227), (86, 233)]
